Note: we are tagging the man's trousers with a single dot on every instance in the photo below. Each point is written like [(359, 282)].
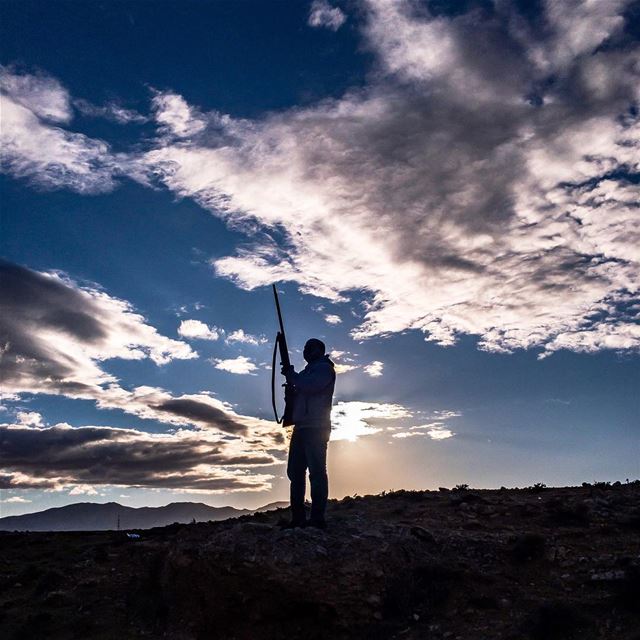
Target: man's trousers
[(308, 450)]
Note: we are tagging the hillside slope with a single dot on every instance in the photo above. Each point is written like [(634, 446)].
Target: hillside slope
[(91, 516), (537, 564)]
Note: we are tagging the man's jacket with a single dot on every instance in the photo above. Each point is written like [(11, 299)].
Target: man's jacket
[(313, 394)]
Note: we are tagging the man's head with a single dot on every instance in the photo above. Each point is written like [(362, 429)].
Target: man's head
[(313, 350)]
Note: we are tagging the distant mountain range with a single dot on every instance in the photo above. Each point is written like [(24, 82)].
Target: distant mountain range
[(91, 516)]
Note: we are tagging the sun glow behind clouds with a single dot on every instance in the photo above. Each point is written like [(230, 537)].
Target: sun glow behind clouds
[(352, 420)]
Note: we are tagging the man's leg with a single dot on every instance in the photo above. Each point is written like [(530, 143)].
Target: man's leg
[(316, 454), (296, 472)]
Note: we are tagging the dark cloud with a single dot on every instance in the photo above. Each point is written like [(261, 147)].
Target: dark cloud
[(32, 303), (54, 335), (29, 297), (54, 332), (63, 455), (200, 412)]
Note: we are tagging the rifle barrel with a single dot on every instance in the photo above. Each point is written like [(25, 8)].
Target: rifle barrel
[(275, 295), (282, 340)]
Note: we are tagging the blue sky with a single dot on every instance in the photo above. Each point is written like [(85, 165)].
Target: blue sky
[(446, 194)]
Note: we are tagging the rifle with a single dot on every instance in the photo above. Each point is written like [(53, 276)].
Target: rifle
[(281, 345)]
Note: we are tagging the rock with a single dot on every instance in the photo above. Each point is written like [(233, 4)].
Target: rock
[(422, 534), (256, 527), (608, 576)]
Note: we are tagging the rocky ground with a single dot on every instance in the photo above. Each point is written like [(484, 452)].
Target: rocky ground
[(536, 563)]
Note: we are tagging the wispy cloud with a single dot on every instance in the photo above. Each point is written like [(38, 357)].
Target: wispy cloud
[(446, 414), (405, 434), (322, 14), (109, 111), (36, 147), (517, 223), (435, 433), (331, 318), (41, 94), (462, 194), (240, 365), (438, 429), (175, 117)]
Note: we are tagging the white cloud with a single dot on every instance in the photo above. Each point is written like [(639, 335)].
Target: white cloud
[(438, 429), (460, 194), (433, 432), (245, 338), (42, 95), (512, 228), (352, 420), (83, 489), (343, 361), (331, 318), (344, 368), (374, 369), (347, 356), (16, 500), (29, 418), (198, 329), (322, 14), (577, 28), (49, 156), (175, 116), (240, 365), (440, 433), (446, 414)]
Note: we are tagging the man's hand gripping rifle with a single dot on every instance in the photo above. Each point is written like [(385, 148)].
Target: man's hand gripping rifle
[(285, 362)]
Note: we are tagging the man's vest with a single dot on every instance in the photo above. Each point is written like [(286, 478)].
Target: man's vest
[(314, 394)]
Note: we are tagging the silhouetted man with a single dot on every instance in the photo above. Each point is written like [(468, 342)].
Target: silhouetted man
[(313, 394)]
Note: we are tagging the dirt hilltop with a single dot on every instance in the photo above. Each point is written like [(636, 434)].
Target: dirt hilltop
[(536, 563)]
